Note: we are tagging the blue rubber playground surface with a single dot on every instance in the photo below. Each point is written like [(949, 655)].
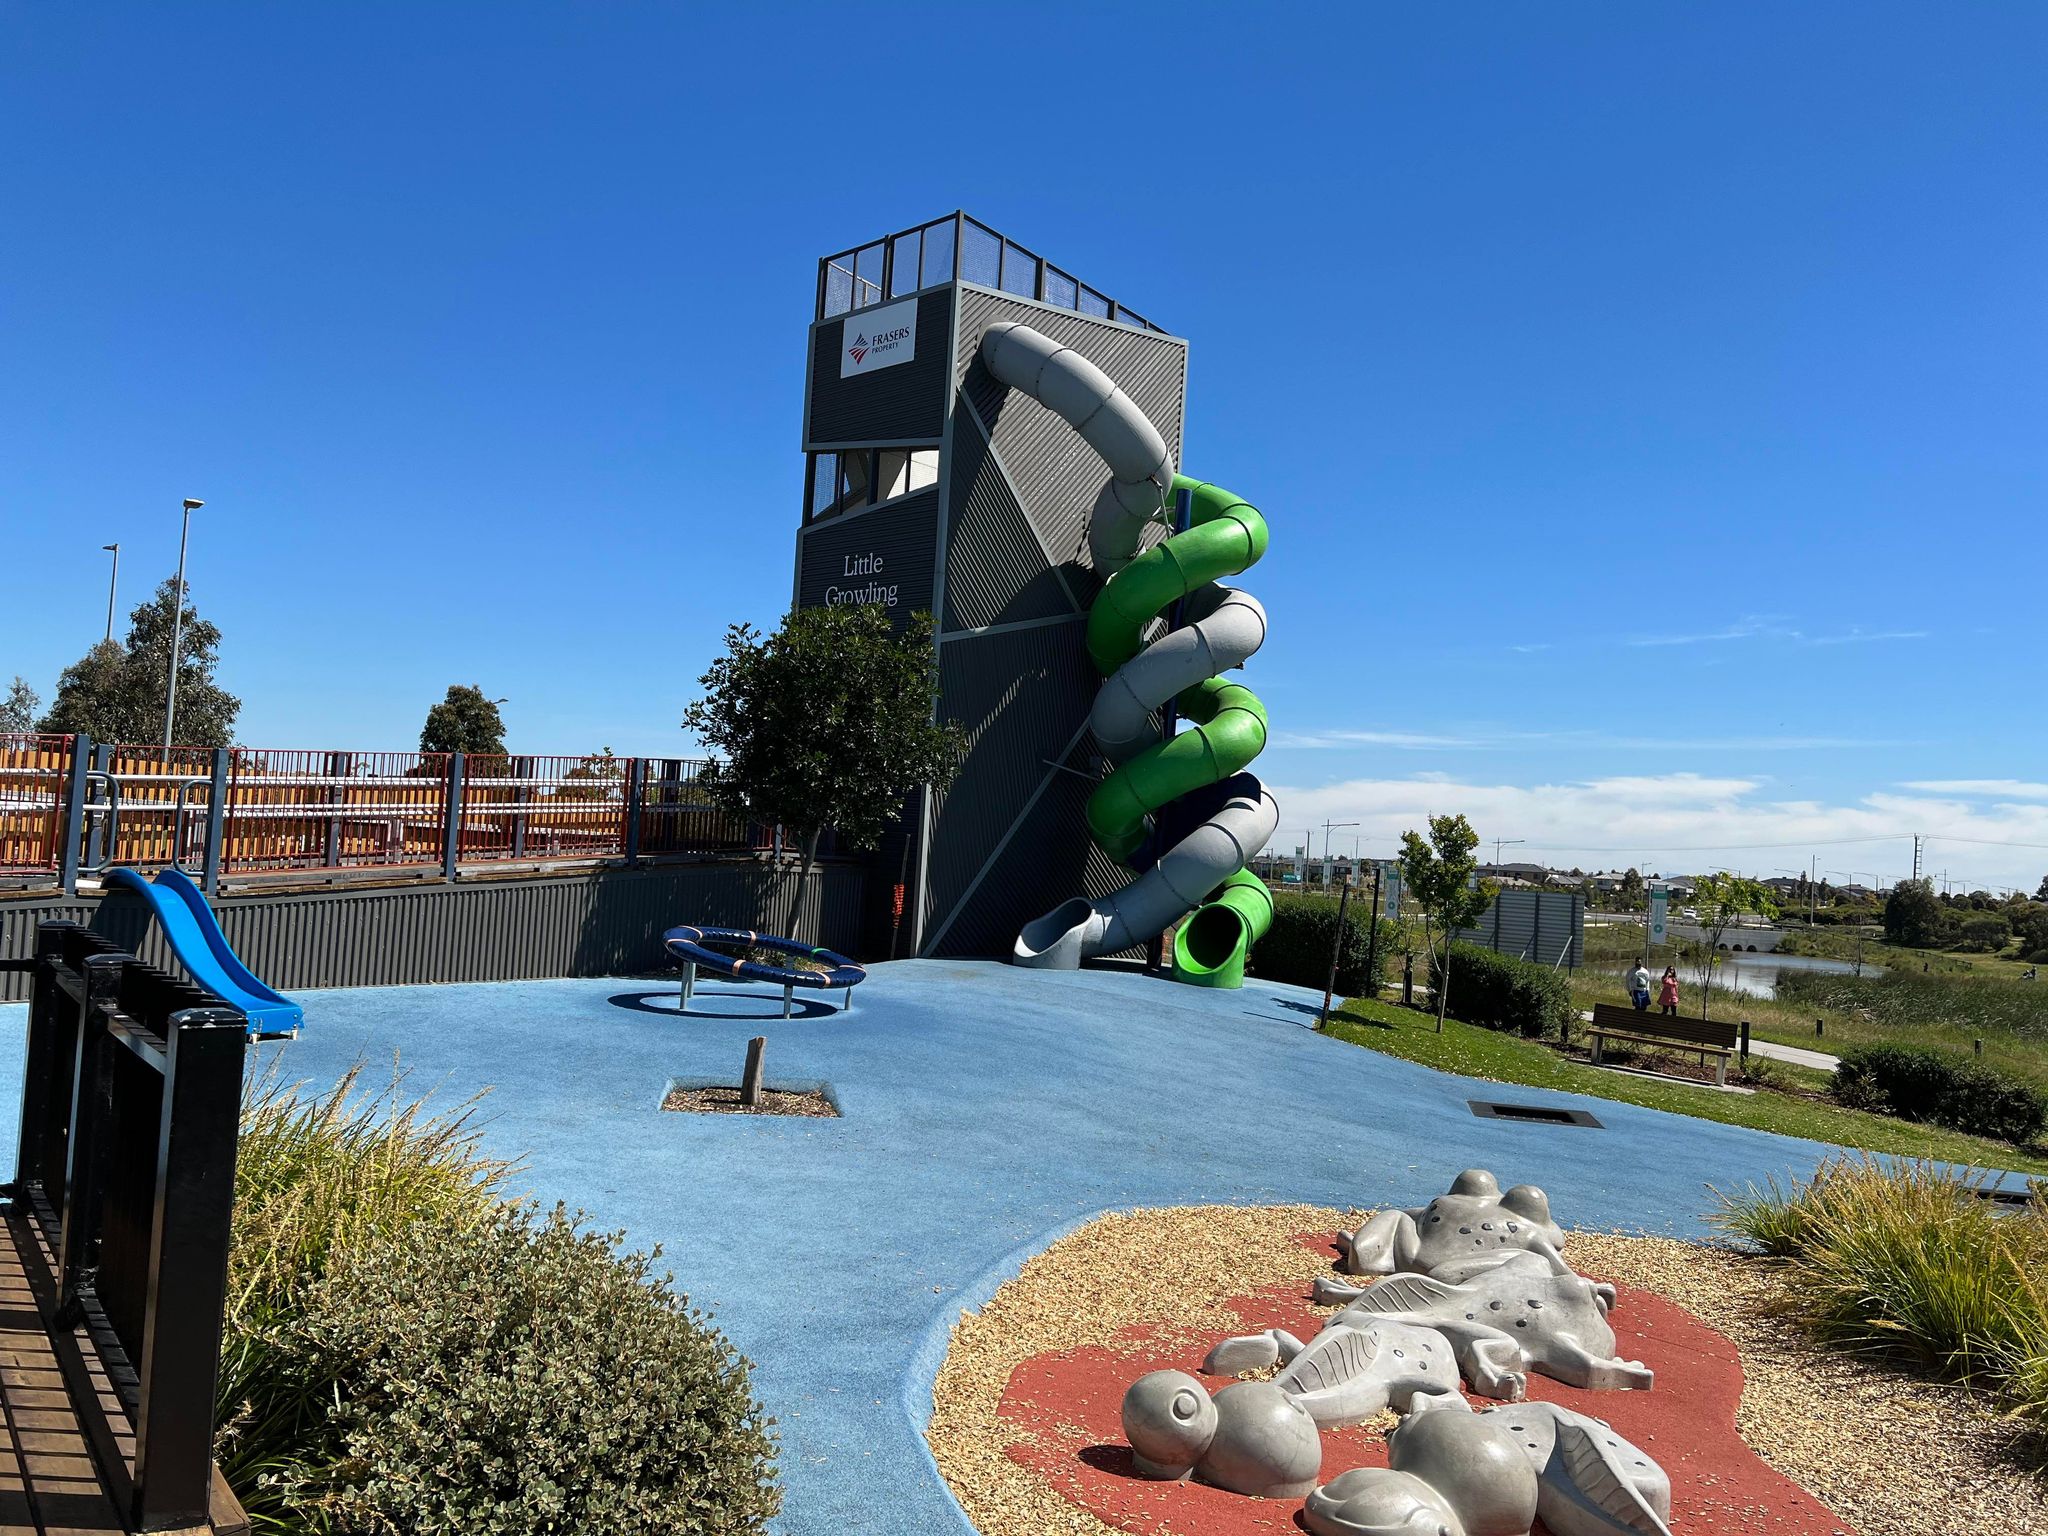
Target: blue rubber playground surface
[(986, 1110)]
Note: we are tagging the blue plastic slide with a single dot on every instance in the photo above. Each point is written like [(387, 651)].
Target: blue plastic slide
[(195, 938)]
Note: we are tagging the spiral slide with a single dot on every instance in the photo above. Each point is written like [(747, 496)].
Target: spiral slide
[(1204, 872)]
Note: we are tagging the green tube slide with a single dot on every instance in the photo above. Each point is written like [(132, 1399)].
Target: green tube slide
[(1226, 724)]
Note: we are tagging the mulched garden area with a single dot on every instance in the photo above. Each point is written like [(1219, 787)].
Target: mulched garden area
[(726, 1101), (1024, 1422)]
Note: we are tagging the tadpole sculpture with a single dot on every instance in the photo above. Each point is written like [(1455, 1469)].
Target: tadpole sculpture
[(1493, 1474)]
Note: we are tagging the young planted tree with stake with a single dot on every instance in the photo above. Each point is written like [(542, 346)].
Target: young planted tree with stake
[(828, 722), (1439, 876), (1721, 900)]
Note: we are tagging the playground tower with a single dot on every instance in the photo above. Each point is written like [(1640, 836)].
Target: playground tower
[(930, 485)]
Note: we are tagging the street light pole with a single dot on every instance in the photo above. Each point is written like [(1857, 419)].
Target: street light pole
[(113, 581), (1502, 842), (178, 625)]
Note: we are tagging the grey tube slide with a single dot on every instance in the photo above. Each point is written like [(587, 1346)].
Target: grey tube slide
[(1225, 627), (1067, 384)]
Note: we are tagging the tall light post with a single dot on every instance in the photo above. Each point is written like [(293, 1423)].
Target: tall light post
[(113, 581), (1504, 842), (178, 624)]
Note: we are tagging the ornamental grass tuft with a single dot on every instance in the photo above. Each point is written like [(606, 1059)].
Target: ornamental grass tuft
[(1907, 1260)]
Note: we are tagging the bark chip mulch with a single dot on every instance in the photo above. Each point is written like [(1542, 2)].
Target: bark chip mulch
[(1770, 1432), (726, 1101)]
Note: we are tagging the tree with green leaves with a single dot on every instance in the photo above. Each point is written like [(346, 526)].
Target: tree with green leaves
[(464, 721), (115, 692), (1440, 877), (828, 722), (1632, 892), (1721, 900), (1914, 915), (19, 708)]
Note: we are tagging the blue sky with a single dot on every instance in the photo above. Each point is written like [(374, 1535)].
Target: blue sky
[(1647, 400)]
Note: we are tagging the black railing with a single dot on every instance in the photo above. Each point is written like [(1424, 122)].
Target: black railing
[(960, 248), (130, 1108)]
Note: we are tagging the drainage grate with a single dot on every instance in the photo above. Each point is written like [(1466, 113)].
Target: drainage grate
[(2011, 1198), (1532, 1114)]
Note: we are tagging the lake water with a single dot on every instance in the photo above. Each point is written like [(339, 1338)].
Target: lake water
[(1757, 975)]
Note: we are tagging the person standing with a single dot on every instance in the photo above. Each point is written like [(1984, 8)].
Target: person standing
[(1667, 994), (1639, 986)]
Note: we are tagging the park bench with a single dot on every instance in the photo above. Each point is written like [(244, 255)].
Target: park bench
[(114, 1246), (1711, 1039)]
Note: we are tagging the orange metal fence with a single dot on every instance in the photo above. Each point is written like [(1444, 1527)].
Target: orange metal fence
[(299, 810), (543, 807), (35, 776)]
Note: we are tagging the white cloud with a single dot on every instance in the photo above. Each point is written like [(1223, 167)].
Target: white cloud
[(2003, 789), (1758, 627), (1687, 823), (1487, 738)]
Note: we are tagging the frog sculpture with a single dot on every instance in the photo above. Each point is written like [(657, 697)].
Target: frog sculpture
[(1473, 1220), (1509, 1314)]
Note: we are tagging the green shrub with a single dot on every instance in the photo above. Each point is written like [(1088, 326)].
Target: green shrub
[(1499, 991), (1904, 1260), (1983, 933), (344, 1192), (316, 1178), (525, 1376), (1296, 948), (1940, 1089)]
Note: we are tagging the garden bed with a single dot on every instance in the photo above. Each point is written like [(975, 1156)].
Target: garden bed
[(812, 1103), (1889, 1454)]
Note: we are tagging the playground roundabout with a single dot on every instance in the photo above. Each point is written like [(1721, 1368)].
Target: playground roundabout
[(1755, 1429)]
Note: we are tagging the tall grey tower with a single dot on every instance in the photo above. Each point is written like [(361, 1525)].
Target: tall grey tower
[(930, 486)]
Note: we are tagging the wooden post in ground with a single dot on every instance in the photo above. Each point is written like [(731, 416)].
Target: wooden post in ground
[(750, 1079)]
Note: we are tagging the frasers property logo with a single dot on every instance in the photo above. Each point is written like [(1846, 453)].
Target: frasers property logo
[(878, 338)]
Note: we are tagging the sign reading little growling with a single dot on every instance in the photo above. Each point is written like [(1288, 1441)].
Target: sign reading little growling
[(878, 338), (872, 590)]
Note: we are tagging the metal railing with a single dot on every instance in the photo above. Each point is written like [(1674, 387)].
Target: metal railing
[(962, 248), (125, 1173), (78, 808), (35, 771), (516, 808)]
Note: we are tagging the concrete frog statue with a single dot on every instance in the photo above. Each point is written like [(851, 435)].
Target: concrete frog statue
[(1508, 1314), (1495, 1473), (1473, 1220)]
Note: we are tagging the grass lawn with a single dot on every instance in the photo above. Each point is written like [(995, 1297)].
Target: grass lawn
[(1484, 1053)]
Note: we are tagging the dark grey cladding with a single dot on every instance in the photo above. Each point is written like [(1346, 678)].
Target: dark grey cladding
[(997, 570), (903, 404), (1056, 474), (834, 557)]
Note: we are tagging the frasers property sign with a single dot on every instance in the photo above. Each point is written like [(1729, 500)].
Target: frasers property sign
[(1660, 916), (878, 338)]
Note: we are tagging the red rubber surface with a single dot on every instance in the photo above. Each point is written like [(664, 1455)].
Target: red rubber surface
[(1068, 1404)]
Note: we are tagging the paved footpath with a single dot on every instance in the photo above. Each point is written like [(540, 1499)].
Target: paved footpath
[(987, 1109)]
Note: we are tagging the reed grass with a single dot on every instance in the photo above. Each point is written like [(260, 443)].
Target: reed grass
[(1906, 1261)]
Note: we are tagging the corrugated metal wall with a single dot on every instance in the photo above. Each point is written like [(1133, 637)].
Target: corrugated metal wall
[(906, 403), (604, 923), (1548, 927), (905, 532), (1009, 841)]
